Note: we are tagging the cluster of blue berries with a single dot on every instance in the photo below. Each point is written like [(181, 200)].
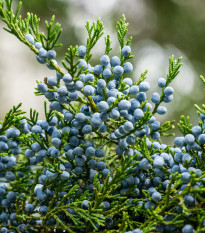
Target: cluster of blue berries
[(99, 151), (43, 53), (10, 147)]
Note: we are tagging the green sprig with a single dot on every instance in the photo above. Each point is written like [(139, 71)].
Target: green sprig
[(122, 29), (108, 45), (95, 32)]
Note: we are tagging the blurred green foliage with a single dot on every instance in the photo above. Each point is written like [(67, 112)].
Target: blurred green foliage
[(182, 23)]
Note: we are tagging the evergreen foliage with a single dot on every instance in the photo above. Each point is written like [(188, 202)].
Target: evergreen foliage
[(96, 163)]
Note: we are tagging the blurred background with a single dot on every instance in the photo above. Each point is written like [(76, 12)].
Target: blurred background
[(159, 29)]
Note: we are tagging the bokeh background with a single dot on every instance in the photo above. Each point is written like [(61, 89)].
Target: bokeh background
[(159, 29)]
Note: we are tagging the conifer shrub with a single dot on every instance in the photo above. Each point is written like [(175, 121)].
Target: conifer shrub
[(96, 163)]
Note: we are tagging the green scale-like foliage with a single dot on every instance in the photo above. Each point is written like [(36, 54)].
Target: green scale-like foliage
[(118, 176)]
